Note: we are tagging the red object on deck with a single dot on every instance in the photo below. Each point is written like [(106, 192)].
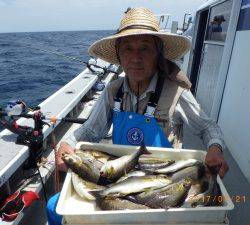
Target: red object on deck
[(15, 203)]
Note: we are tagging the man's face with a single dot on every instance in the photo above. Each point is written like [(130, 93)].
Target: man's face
[(138, 57)]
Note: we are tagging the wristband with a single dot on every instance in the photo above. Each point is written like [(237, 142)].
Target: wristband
[(217, 145)]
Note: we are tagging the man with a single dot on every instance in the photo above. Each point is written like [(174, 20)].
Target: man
[(150, 103), (215, 28)]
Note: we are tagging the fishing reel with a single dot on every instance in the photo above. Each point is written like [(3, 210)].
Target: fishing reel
[(15, 108), (29, 136), (100, 70)]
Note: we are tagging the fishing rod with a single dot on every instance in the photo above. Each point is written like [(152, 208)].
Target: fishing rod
[(32, 136), (90, 64), (18, 109), (52, 119), (28, 135)]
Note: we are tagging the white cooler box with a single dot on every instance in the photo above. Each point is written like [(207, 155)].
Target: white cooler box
[(77, 211)]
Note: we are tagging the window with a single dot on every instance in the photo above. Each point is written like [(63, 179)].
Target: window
[(218, 22)]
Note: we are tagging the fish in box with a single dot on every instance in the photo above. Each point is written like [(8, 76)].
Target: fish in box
[(76, 210)]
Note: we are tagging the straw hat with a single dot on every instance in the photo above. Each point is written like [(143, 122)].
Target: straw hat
[(138, 21), (219, 18)]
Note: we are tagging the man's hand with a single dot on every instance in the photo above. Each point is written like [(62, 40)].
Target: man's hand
[(64, 148), (215, 160)]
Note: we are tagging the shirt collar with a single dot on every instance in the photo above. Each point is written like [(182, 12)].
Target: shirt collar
[(151, 87)]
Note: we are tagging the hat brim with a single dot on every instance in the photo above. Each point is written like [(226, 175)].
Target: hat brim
[(175, 46)]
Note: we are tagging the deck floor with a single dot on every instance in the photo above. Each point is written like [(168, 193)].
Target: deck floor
[(235, 183)]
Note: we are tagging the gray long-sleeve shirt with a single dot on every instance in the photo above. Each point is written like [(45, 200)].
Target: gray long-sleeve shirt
[(187, 111)]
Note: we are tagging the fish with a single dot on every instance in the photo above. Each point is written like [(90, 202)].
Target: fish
[(210, 197), (114, 169), (87, 156), (82, 187), (197, 187), (98, 155), (172, 195), (192, 172), (177, 166), (133, 185), (152, 162), (84, 168), (118, 204), (136, 173)]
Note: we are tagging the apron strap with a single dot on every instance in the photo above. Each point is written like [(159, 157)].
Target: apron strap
[(154, 98), (118, 99)]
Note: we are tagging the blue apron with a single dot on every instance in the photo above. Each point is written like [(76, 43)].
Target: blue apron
[(130, 128)]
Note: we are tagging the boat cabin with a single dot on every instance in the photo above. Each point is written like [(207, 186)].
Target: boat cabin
[(218, 68)]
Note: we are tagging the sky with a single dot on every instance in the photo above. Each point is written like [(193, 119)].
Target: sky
[(63, 15)]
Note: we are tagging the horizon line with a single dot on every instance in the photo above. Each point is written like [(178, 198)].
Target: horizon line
[(11, 32)]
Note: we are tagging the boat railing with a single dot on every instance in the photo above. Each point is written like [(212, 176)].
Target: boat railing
[(163, 20)]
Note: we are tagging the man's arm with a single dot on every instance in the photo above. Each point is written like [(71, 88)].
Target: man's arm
[(188, 111), (93, 130)]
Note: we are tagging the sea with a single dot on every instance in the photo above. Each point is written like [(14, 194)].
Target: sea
[(33, 65)]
